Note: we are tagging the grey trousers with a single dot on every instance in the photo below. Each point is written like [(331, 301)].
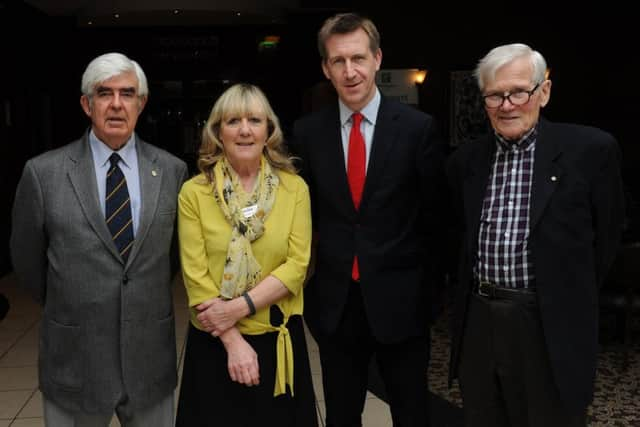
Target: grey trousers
[(160, 414)]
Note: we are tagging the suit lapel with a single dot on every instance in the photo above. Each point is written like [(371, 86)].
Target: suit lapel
[(384, 138), (83, 180), (331, 156), (475, 184), (150, 183), (547, 173)]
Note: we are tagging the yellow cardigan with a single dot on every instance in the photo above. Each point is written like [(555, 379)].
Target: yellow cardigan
[(283, 251)]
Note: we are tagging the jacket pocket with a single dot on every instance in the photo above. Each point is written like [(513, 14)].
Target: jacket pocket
[(61, 354)]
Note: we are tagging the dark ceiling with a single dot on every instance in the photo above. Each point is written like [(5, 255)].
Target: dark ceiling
[(109, 13)]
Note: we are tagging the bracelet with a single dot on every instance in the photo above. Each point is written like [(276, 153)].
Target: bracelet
[(252, 308)]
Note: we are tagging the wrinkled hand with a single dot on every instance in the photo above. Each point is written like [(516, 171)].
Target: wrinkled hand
[(215, 316), (242, 361)]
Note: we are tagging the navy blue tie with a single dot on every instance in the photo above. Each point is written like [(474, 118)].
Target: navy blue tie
[(118, 208)]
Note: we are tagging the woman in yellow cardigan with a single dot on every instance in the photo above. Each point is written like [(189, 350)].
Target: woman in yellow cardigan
[(245, 233)]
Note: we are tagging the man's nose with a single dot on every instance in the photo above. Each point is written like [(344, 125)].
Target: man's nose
[(116, 101), (349, 70), (507, 104)]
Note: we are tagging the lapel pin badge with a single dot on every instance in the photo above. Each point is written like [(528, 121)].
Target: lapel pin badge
[(154, 173)]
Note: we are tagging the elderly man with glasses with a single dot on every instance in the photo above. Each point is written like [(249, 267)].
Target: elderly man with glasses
[(540, 210)]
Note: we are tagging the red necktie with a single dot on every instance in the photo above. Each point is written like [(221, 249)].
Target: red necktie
[(356, 172)]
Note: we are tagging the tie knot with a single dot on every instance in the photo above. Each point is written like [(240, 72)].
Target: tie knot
[(114, 159), (356, 118)]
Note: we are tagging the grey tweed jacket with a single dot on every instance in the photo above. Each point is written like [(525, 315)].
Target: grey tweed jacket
[(107, 326)]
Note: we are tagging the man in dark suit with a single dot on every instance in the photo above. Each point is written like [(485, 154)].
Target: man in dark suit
[(540, 207), (92, 229), (373, 167)]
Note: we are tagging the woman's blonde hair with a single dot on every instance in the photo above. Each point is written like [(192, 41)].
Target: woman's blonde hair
[(242, 99)]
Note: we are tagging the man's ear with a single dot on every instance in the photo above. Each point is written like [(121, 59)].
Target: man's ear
[(378, 58), (325, 69), (545, 92), (143, 102), (85, 102)]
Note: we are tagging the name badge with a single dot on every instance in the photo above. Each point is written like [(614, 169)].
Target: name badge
[(249, 211)]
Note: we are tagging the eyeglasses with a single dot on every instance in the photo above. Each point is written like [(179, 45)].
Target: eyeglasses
[(519, 97)]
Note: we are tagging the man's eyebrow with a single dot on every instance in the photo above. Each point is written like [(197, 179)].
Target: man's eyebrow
[(109, 89), (512, 90)]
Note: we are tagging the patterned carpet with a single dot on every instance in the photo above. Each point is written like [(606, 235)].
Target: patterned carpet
[(617, 395)]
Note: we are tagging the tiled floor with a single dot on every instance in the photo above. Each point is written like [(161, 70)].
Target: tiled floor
[(21, 402)]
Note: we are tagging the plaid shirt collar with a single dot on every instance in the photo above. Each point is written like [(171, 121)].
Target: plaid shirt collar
[(523, 143)]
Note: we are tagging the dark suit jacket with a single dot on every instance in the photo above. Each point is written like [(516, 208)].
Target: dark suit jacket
[(390, 231), (576, 218), (103, 319)]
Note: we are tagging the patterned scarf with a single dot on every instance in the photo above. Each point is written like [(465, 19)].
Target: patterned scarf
[(246, 213)]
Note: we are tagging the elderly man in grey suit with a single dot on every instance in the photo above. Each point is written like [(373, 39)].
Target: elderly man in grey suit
[(93, 224)]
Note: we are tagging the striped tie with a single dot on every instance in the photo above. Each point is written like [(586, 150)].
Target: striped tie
[(118, 208)]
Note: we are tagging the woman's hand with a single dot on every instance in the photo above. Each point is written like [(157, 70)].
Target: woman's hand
[(217, 315), (242, 360)]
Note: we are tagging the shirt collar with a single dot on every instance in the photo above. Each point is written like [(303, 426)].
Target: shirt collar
[(524, 142), (370, 111), (102, 152)]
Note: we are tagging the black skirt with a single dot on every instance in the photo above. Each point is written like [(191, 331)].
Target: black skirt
[(208, 397)]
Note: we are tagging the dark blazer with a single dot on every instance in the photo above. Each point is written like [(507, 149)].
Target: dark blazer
[(576, 216), (391, 230), (103, 319)]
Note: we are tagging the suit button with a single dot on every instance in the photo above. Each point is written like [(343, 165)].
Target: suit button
[(125, 279)]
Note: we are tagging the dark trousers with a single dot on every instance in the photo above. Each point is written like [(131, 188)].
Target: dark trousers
[(505, 376), (345, 357)]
